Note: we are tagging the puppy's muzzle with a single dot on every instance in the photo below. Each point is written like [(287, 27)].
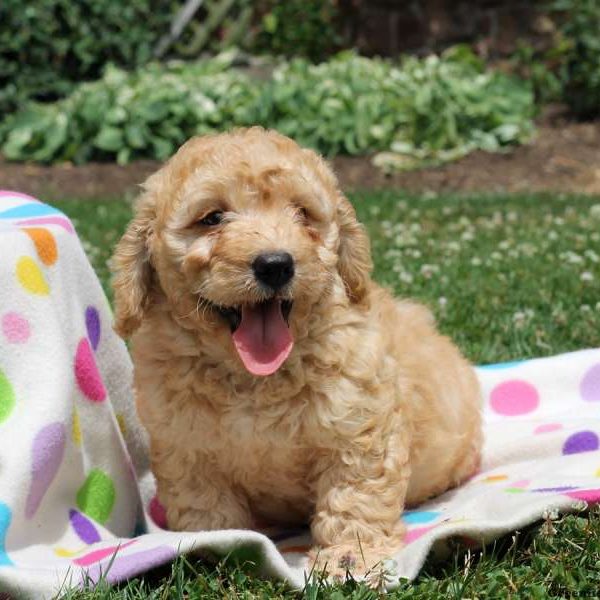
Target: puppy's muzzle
[(274, 269)]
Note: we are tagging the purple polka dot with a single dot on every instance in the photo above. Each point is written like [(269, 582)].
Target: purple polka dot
[(92, 323), (83, 527), (590, 385), (582, 441), (561, 488), (46, 457)]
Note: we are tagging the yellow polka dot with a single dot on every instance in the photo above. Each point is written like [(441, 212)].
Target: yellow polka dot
[(31, 277), (598, 473), (76, 430), (121, 422), (45, 244), (64, 553)]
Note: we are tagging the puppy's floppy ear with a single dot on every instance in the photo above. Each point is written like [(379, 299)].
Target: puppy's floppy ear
[(132, 269), (354, 264)]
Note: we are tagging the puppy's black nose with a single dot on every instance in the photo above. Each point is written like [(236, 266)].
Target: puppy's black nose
[(274, 269)]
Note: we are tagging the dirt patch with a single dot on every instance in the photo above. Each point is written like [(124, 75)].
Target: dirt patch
[(563, 157)]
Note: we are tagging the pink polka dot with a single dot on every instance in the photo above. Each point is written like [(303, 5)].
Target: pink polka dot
[(591, 496), (158, 513), (87, 375), (515, 397), (547, 428), (15, 328), (414, 534)]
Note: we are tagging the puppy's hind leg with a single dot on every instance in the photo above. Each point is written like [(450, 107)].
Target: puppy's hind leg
[(200, 498)]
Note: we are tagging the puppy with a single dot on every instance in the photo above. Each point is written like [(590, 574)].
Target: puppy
[(276, 380)]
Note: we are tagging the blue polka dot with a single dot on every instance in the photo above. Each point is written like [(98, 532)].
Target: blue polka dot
[(502, 365), (5, 518), (412, 517)]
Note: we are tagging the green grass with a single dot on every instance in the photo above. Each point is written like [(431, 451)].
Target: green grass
[(508, 277)]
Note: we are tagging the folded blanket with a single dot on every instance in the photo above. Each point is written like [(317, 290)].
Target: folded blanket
[(76, 493)]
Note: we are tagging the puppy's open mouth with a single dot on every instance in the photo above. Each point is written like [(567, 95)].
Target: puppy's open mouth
[(261, 334)]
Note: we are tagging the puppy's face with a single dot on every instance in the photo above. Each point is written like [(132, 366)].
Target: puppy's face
[(245, 233)]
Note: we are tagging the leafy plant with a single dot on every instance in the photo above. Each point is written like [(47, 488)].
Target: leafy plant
[(580, 30), (423, 110), (299, 28), (47, 45)]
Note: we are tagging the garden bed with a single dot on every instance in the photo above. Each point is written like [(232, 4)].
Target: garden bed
[(563, 157)]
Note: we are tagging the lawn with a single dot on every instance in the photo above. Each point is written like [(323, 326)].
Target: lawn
[(508, 277)]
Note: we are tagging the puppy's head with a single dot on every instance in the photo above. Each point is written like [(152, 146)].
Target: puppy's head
[(243, 234)]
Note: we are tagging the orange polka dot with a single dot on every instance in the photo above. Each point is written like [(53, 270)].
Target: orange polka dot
[(45, 244), (495, 478), (295, 549)]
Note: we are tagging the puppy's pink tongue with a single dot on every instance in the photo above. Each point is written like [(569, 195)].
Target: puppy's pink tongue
[(263, 340)]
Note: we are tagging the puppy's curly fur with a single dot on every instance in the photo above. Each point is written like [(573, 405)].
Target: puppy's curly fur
[(371, 411)]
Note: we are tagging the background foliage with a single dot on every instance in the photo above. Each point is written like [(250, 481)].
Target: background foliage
[(580, 65), (431, 109), (308, 28), (46, 45)]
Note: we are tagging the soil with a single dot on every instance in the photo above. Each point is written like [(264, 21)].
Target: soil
[(563, 157)]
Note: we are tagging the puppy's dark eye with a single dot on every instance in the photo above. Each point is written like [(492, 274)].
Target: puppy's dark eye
[(302, 213), (212, 219)]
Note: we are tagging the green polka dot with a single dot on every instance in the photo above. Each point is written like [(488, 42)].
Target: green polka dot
[(7, 397), (96, 497)]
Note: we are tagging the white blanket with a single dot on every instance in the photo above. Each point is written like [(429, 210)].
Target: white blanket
[(75, 489)]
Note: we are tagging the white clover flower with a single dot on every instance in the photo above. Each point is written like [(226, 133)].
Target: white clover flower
[(586, 276), (416, 253), (428, 270), (468, 235), (595, 211), (496, 256), (579, 505), (571, 257), (443, 301), (592, 256), (597, 307), (552, 235), (585, 308), (406, 277), (519, 319), (550, 514), (476, 261)]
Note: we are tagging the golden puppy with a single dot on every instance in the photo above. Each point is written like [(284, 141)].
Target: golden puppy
[(277, 382)]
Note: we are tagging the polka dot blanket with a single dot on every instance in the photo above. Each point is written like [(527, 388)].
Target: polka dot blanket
[(76, 495)]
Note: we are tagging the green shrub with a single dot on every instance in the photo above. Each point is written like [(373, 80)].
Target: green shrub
[(306, 28), (47, 45), (424, 110), (580, 30)]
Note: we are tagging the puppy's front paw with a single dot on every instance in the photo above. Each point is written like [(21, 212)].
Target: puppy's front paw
[(349, 559)]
